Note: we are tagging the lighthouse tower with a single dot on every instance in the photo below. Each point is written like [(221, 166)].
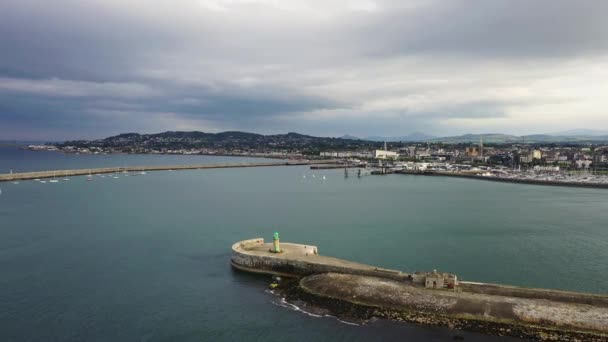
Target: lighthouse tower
[(276, 248)]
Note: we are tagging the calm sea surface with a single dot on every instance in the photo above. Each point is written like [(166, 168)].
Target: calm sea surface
[(146, 258)]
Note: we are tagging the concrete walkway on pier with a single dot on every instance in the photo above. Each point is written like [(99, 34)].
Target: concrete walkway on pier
[(82, 172), (297, 260)]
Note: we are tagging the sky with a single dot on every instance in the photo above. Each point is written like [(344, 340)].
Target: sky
[(72, 69)]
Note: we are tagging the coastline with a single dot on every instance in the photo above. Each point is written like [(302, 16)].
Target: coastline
[(505, 180)]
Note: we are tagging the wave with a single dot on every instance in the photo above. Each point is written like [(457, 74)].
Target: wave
[(285, 304)]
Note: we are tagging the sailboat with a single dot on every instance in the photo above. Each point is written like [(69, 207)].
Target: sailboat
[(89, 177), (54, 180), (15, 182)]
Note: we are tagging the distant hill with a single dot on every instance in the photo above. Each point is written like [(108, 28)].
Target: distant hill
[(244, 141), (497, 138), (416, 136), (491, 138), (349, 137), (581, 132), (231, 140)]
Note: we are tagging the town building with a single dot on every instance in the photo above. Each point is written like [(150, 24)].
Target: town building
[(383, 154)]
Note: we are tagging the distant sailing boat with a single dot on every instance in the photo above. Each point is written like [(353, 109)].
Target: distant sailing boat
[(14, 182), (89, 177), (54, 180)]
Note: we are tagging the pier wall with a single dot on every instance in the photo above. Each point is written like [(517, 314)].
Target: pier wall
[(506, 180), (83, 172), (302, 261)]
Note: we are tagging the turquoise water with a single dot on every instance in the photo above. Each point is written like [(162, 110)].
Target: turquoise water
[(146, 258)]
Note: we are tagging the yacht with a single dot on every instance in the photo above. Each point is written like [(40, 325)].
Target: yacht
[(54, 180)]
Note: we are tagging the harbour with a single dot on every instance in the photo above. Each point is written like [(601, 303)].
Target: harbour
[(149, 256)]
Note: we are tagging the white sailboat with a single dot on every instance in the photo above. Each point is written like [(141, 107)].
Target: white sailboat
[(14, 182), (54, 180)]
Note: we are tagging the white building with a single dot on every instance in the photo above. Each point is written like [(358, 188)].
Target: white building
[(583, 164), (383, 154), (539, 168)]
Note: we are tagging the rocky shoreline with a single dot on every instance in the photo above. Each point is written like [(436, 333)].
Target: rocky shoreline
[(351, 310)]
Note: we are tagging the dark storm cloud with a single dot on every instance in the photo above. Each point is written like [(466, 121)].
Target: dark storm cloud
[(101, 66)]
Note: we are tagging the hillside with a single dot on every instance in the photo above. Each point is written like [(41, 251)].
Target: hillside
[(232, 140)]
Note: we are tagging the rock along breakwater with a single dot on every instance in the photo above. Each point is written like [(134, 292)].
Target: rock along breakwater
[(363, 291)]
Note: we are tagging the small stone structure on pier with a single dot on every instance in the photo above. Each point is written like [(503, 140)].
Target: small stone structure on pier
[(437, 280)]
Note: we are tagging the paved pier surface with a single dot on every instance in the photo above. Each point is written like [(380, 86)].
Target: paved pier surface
[(298, 260), (81, 172), (534, 318)]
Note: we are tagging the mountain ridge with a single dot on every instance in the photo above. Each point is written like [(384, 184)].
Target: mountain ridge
[(234, 139)]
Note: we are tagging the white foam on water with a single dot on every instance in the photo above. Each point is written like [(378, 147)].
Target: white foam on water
[(283, 303)]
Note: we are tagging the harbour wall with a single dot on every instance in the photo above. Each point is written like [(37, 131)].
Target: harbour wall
[(302, 261), (82, 172), (506, 180), (364, 291)]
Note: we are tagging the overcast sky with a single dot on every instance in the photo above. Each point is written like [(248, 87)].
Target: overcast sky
[(89, 69)]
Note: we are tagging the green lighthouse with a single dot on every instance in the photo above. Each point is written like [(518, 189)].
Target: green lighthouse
[(275, 243)]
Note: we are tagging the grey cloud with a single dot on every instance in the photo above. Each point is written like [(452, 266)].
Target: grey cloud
[(481, 29), (253, 67)]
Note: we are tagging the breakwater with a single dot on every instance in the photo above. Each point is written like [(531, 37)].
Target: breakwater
[(505, 180), (336, 166), (82, 172), (363, 291), (297, 260)]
